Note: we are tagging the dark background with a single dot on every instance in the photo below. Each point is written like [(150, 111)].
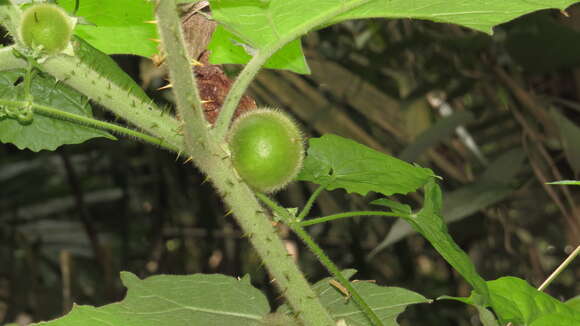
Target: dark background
[(72, 219)]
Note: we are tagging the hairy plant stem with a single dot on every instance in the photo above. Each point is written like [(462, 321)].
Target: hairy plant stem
[(211, 156), (145, 115), (297, 228), (89, 122), (347, 215), (306, 209)]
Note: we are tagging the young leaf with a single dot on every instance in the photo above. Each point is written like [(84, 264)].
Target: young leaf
[(176, 300), (44, 133), (515, 301), (117, 26), (565, 183), (342, 163), (226, 47), (273, 24), (429, 223)]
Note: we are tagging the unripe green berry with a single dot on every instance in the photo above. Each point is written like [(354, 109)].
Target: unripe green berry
[(47, 26), (267, 149)]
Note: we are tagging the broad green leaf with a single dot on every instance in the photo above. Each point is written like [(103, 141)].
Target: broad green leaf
[(495, 184), (176, 300), (338, 162), (515, 301), (560, 319), (574, 303), (43, 133), (119, 26), (429, 223), (227, 48), (569, 135), (272, 24), (387, 302), (566, 183)]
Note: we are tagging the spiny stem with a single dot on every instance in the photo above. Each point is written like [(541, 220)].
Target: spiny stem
[(333, 269), (90, 122), (322, 257), (310, 202), (349, 214), (178, 62)]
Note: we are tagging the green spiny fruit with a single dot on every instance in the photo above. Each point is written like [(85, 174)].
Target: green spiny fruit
[(46, 26), (267, 149)]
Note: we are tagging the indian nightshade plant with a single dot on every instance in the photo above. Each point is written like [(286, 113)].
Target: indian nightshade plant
[(50, 108)]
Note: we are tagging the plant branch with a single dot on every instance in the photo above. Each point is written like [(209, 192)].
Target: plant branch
[(263, 54), (333, 269), (347, 215), (81, 76), (90, 122), (292, 222), (178, 62), (211, 157), (310, 202)]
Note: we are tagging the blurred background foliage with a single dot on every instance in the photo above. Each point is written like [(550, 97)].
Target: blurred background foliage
[(495, 116)]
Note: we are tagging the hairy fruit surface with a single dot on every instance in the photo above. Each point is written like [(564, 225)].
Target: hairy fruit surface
[(267, 149), (47, 26)]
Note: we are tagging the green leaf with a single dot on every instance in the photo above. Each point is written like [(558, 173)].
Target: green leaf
[(176, 300), (574, 303), (119, 25), (272, 24), (515, 301), (337, 162), (565, 182), (225, 47), (429, 223), (387, 302), (44, 133)]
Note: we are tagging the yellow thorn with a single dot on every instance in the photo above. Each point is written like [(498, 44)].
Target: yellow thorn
[(566, 14), (228, 213), (165, 87), (150, 22), (196, 63), (154, 40), (206, 101), (205, 180), (189, 159)]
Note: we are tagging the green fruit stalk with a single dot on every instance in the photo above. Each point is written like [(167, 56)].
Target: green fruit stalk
[(267, 149), (46, 26)]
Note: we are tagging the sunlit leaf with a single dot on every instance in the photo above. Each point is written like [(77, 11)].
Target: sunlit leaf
[(337, 162)]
